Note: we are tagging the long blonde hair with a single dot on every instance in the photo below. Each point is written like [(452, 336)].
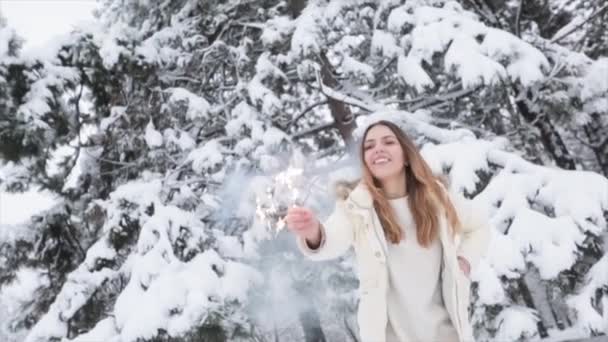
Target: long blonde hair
[(426, 196)]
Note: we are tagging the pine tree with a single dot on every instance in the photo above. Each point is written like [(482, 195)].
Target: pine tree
[(178, 115)]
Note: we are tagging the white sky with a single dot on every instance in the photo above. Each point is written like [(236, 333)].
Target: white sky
[(38, 21)]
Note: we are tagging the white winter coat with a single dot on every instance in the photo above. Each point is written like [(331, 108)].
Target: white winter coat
[(354, 222)]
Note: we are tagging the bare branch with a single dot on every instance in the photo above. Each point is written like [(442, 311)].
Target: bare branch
[(433, 100), (308, 109), (349, 100), (77, 108), (386, 65), (591, 17), (518, 19), (313, 130), (593, 146), (169, 78)]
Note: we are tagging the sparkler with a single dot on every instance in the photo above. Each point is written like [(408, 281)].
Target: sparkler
[(285, 191)]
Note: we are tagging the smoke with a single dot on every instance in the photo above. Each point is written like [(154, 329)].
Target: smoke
[(294, 288)]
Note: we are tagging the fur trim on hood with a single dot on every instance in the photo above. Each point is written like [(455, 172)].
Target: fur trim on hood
[(343, 188)]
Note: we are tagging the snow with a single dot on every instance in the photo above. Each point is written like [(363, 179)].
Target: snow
[(347, 44), (384, 44), (353, 67), (20, 291), (412, 73), (261, 95), (153, 137), (306, 35), (18, 208), (581, 195), (265, 68), (206, 157), (109, 48), (6, 35), (141, 192), (398, 18), (507, 194), (104, 330), (181, 296), (462, 166), (472, 67), (115, 113), (273, 137), (245, 117), (551, 245), (595, 82), (244, 146), (417, 123), (277, 29), (475, 63), (79, 286), (556, 335), (516, 322), (594, 90), (588, 317), (159, 48), (37, 99), (503, 259), (539, 215), (490, 291), (198, 107), (180, 138), (230, 247), (527, 64)]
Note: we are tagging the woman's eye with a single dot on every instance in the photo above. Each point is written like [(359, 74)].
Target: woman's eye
[(390, 142), (367, 147)]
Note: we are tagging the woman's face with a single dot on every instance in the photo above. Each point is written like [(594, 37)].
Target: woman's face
[(382, 153)]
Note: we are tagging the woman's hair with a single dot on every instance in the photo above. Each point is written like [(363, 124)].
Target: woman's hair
[(426, 196)]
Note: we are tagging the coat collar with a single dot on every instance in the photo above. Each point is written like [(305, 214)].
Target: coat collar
[(361, 197), (358, 194)]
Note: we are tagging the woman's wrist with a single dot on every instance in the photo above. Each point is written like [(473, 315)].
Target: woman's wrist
[(316, 241)]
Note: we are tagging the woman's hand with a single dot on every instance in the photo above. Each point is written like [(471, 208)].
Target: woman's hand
[(464, 266), (303, 222)]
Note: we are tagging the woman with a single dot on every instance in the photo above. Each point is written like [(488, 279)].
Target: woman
[(414, 243)]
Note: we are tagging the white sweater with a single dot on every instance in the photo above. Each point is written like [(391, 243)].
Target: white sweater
[(416, 311)]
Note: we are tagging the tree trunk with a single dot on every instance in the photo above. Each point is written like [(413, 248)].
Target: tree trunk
[(538, 296), (527, 297), (344, 120), (296, 7)]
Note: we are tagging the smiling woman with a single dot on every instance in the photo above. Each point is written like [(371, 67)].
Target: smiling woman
[(401, 221), (39, 21)]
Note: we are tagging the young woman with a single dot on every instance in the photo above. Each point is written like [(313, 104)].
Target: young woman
[(415, 243)]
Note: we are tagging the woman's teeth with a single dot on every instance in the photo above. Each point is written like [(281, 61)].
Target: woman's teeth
[(381, 161)]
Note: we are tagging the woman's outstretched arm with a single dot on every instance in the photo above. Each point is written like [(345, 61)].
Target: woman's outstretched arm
[(336, 236)]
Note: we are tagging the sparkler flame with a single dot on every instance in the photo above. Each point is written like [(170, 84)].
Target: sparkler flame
[(282, 194)]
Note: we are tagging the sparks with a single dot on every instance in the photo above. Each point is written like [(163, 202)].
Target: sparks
[(285, 192)]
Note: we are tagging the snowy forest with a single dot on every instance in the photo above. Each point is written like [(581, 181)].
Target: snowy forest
[(173, 135)]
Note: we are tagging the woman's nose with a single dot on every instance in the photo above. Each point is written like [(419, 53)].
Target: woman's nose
[(378, 150)]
